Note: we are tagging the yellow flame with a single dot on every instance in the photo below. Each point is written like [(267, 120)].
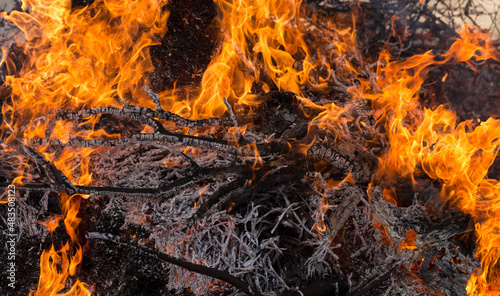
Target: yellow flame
[(457, 154), (77, 59), (52, 281), (89, 57)]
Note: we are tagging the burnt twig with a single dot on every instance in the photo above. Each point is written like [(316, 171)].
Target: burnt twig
[(141, 113), (56, 178), (158, 126), (215, 197), (342, 213), (211, 272), (230, 110), (154, 97), (60, 182), (166, 137)]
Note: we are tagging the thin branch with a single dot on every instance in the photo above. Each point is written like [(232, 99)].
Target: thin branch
[(134, 111), (208, 271), (157, 138), (230, 110), (154, 97)]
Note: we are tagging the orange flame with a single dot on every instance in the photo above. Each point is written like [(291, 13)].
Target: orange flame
[(409, 241), (52, 281), (81, 58), (263, 38), (51, 223), (259, 35), (73, 60), (93, 56), (70, 207), (458, 155)]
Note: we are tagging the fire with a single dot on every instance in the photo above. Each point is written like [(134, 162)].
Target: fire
[(487, 282), (263, 43), (259, 39), (409, 241), (98, 56), (73, 60), (56, 265), (51, 223), (51, 280), (457, 154), (77, 58)]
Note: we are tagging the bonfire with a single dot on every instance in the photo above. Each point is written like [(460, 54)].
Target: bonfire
[(250, 147)]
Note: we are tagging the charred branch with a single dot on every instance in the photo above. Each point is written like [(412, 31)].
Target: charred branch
[(201, 175), (154, 97), (56, 178), (374, 281), (360, 172), (230, 110), (267, 178), (63, 184), (145, 115), (211, 272), (187, 140), (216, 197), (117, 112), (164, 138), (351, 197)]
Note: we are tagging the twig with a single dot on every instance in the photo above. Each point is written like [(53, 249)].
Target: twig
[(342, 213), (154, 97), (147, 112), (165, 137), (158, 126), (48, 170), (230, 110), (193, 163), (215, 197), (211, 272), (60, 182), (373, 282)]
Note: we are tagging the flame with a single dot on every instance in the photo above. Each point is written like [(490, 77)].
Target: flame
[(73, 59), (487, 281), (81, 58), (457, 154), (51, 279), (263, 43), (56, 265), (260, 39), (51, 223), (389, 196), (98, 55), (409, 241)]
